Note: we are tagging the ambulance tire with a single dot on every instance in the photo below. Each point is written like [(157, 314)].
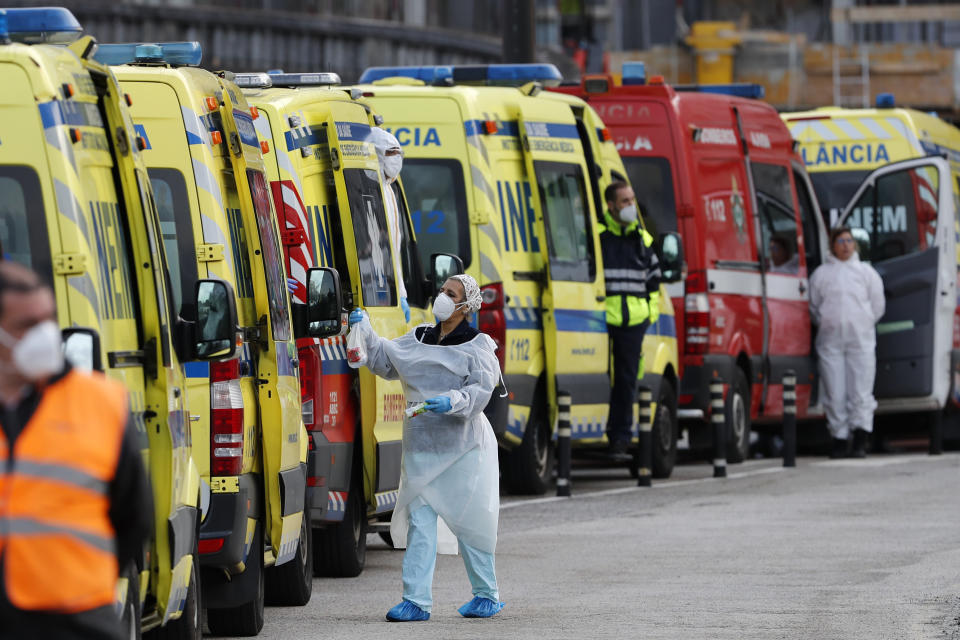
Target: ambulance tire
[(244, 620), (131, 619), (737, 414), (529, 467), (340, 550), (665, 431), (291, 584), (189, 626)]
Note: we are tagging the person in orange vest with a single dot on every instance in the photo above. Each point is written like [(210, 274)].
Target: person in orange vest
[(75, 503)]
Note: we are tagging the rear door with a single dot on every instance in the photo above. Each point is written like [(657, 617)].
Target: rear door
[(574, 318), (903, 219)]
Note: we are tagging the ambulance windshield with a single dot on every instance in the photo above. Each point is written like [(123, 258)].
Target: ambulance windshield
[(438, 207), (23, 233), (652, 182)]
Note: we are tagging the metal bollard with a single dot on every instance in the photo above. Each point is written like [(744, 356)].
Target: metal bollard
[(719, 428), (645, 471), (936, 433), (789, 418), (563, 443)]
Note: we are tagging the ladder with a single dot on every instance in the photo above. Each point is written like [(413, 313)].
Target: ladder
[(851, 78)]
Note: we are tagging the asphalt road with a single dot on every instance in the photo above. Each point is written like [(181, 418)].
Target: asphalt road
[(831, 549)]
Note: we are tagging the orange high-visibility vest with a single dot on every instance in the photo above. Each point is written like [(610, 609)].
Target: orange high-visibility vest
[(57, 544)]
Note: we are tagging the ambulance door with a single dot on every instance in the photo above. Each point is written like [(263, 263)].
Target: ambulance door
[(359, 191), (279, 390), (412, 273), (574, 319), (902, 217)]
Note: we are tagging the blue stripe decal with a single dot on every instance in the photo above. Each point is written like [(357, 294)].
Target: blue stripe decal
[(353, 131), (142, 132), (600, 135), (581, 321), (530, 320), (511, 128), (248, 133), (58, 112), (196, 369), (665, 326), (300, 138), (193, 138)]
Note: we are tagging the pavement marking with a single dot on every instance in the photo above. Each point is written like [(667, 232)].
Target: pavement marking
[(664, 485), (882, 462)]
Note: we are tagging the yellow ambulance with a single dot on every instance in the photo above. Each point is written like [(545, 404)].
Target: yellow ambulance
[(511, 180), (206, 166), (76, 206), (328, 195), (910, 234)]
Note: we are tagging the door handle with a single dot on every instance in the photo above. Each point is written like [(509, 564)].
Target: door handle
[(601, 298)]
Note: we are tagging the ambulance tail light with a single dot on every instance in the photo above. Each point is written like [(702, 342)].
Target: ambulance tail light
[(696, 315), (491, 319), (226, 419), (310, 387)]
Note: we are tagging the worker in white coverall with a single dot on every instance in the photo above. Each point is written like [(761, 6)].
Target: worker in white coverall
[(846, 301), (449, 468), (390, 156)]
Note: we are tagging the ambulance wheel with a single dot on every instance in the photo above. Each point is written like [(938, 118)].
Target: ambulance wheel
[(737, 413), (130, 620), (245, 619), (291, 584), (530, 466), (665, 431), (340, 550), (188, 626)]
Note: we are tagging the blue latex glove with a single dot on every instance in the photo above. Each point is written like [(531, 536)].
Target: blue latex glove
[(292, 285), (355, 316), (440, 404), (406, 308)]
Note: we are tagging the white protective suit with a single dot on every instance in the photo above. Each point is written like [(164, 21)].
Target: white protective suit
[(383, 141), (846, 301), (449, 459)]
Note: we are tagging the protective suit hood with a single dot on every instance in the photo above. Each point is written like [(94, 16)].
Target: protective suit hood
[(384, 141)]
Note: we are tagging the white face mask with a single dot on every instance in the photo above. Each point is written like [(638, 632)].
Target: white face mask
[(444, 306), (628, 215), (39, 353), (392, 166)]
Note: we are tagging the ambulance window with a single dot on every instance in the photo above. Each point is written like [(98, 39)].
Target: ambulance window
[(271, 255), (811, 242), (377, 285), (652, 183), (565, 214), (898, 214), (173, 208), (409, 261), (23, 227), (834, 189), (778, 220), (438, 207), (158, 263)]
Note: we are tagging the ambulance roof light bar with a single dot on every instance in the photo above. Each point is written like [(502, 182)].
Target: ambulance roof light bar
[(41, 25), (4, 37), (886, 101), (324, 79), (736, 89), (253, 80), (176, 54), (634, 73), (504, 75)]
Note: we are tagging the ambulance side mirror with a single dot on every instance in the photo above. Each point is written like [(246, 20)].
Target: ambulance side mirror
[(216, 327), (670, 254), (442, 266), (320, 317), (81, 348)]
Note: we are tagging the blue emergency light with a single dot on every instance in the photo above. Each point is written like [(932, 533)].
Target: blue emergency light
[(633, 73), (304, 79), (42, 25), (176, 54), (736, 89), (253, 80), (510, 75), (885, 101), (4, 37)]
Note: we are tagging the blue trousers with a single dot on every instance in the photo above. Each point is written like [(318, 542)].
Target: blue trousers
[(420, 560)]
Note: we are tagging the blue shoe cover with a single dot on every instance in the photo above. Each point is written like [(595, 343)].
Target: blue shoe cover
[(406, 611), (480, 608)]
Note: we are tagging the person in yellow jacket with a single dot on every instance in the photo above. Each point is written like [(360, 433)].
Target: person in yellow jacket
[(75, 503), (631, 271)]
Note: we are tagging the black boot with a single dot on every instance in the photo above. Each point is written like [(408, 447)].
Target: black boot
[(859, 449), (839, 449)]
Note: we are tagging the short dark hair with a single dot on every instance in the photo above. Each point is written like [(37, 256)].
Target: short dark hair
[(16, 278), (839, 231), (610, 193)]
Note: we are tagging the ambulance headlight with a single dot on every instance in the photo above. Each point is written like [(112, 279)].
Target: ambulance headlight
[(43, 25)]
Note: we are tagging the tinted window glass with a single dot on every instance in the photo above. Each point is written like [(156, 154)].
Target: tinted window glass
[(565, 213), (409, 260), (377, 283), (834, 190), (777, 217), (652, 183), (23, 226), (811, 238), (438, 207), (271, 255), (173, 208)]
